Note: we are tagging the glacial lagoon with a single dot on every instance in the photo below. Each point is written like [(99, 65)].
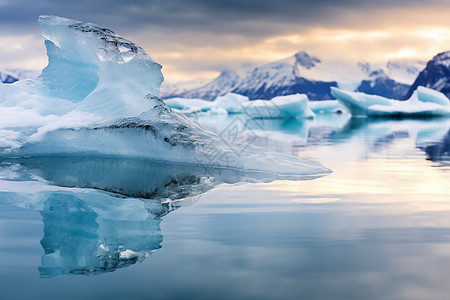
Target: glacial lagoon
[(376, 228)]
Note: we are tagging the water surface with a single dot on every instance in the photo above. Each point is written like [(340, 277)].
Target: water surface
[(377, 228)]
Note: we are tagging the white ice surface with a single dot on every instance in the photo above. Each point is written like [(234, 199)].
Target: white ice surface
[(184, 104), (326, 106), (292, 106), (423, 102), (229, 103)]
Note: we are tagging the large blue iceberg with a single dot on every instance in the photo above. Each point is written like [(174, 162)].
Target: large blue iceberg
[(99, 96)]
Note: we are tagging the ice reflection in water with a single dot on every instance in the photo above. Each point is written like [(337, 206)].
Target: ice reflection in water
[(79, 239), (300, 135), (101, 214)]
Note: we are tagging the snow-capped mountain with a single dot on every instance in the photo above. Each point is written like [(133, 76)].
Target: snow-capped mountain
[(171, 88), (436, 75), (7, 78), (225, 82), (13, 75), (21, 74), (304, 73), (381, 84), (285, 77)]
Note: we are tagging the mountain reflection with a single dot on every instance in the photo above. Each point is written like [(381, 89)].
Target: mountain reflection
[(102, 214), (439, 152), (430, 135)]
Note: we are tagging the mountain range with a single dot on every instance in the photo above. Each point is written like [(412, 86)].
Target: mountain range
[(436, 75), (7, 78), (13, 75), (308, 74), (304, 73)]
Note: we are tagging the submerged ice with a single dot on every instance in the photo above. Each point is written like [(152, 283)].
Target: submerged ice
[(99, 96)]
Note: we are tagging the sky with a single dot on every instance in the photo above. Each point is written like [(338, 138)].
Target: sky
[(199, 38)]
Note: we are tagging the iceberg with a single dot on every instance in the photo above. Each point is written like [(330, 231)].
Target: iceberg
[(99, 96), (189, 105), (326, 107), (281, 107), (423, 102), (229, 104), (292, 106)]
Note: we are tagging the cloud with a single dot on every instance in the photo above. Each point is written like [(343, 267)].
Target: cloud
[(199, 37), (256, 17), (23, 51)]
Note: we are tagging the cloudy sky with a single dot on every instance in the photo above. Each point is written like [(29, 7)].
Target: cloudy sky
[(199, 38)]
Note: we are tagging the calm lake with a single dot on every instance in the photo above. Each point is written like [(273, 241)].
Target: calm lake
[(378, 227)]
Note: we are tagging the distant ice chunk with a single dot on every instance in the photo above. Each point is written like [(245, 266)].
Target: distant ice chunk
[(292, 106), (429, 95), (231, 102), (189, 105), (128, 254), (423, 102), (326, 107), (99, 96), (218, 111)]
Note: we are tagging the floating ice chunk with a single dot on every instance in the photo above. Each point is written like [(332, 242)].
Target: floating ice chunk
[(292, 106), (99, 96), (423, 102), (218, 110), (231, 102), (358, 103), (128, 254), (8, 139), (326, 107), (189, 105), (429, 95)]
